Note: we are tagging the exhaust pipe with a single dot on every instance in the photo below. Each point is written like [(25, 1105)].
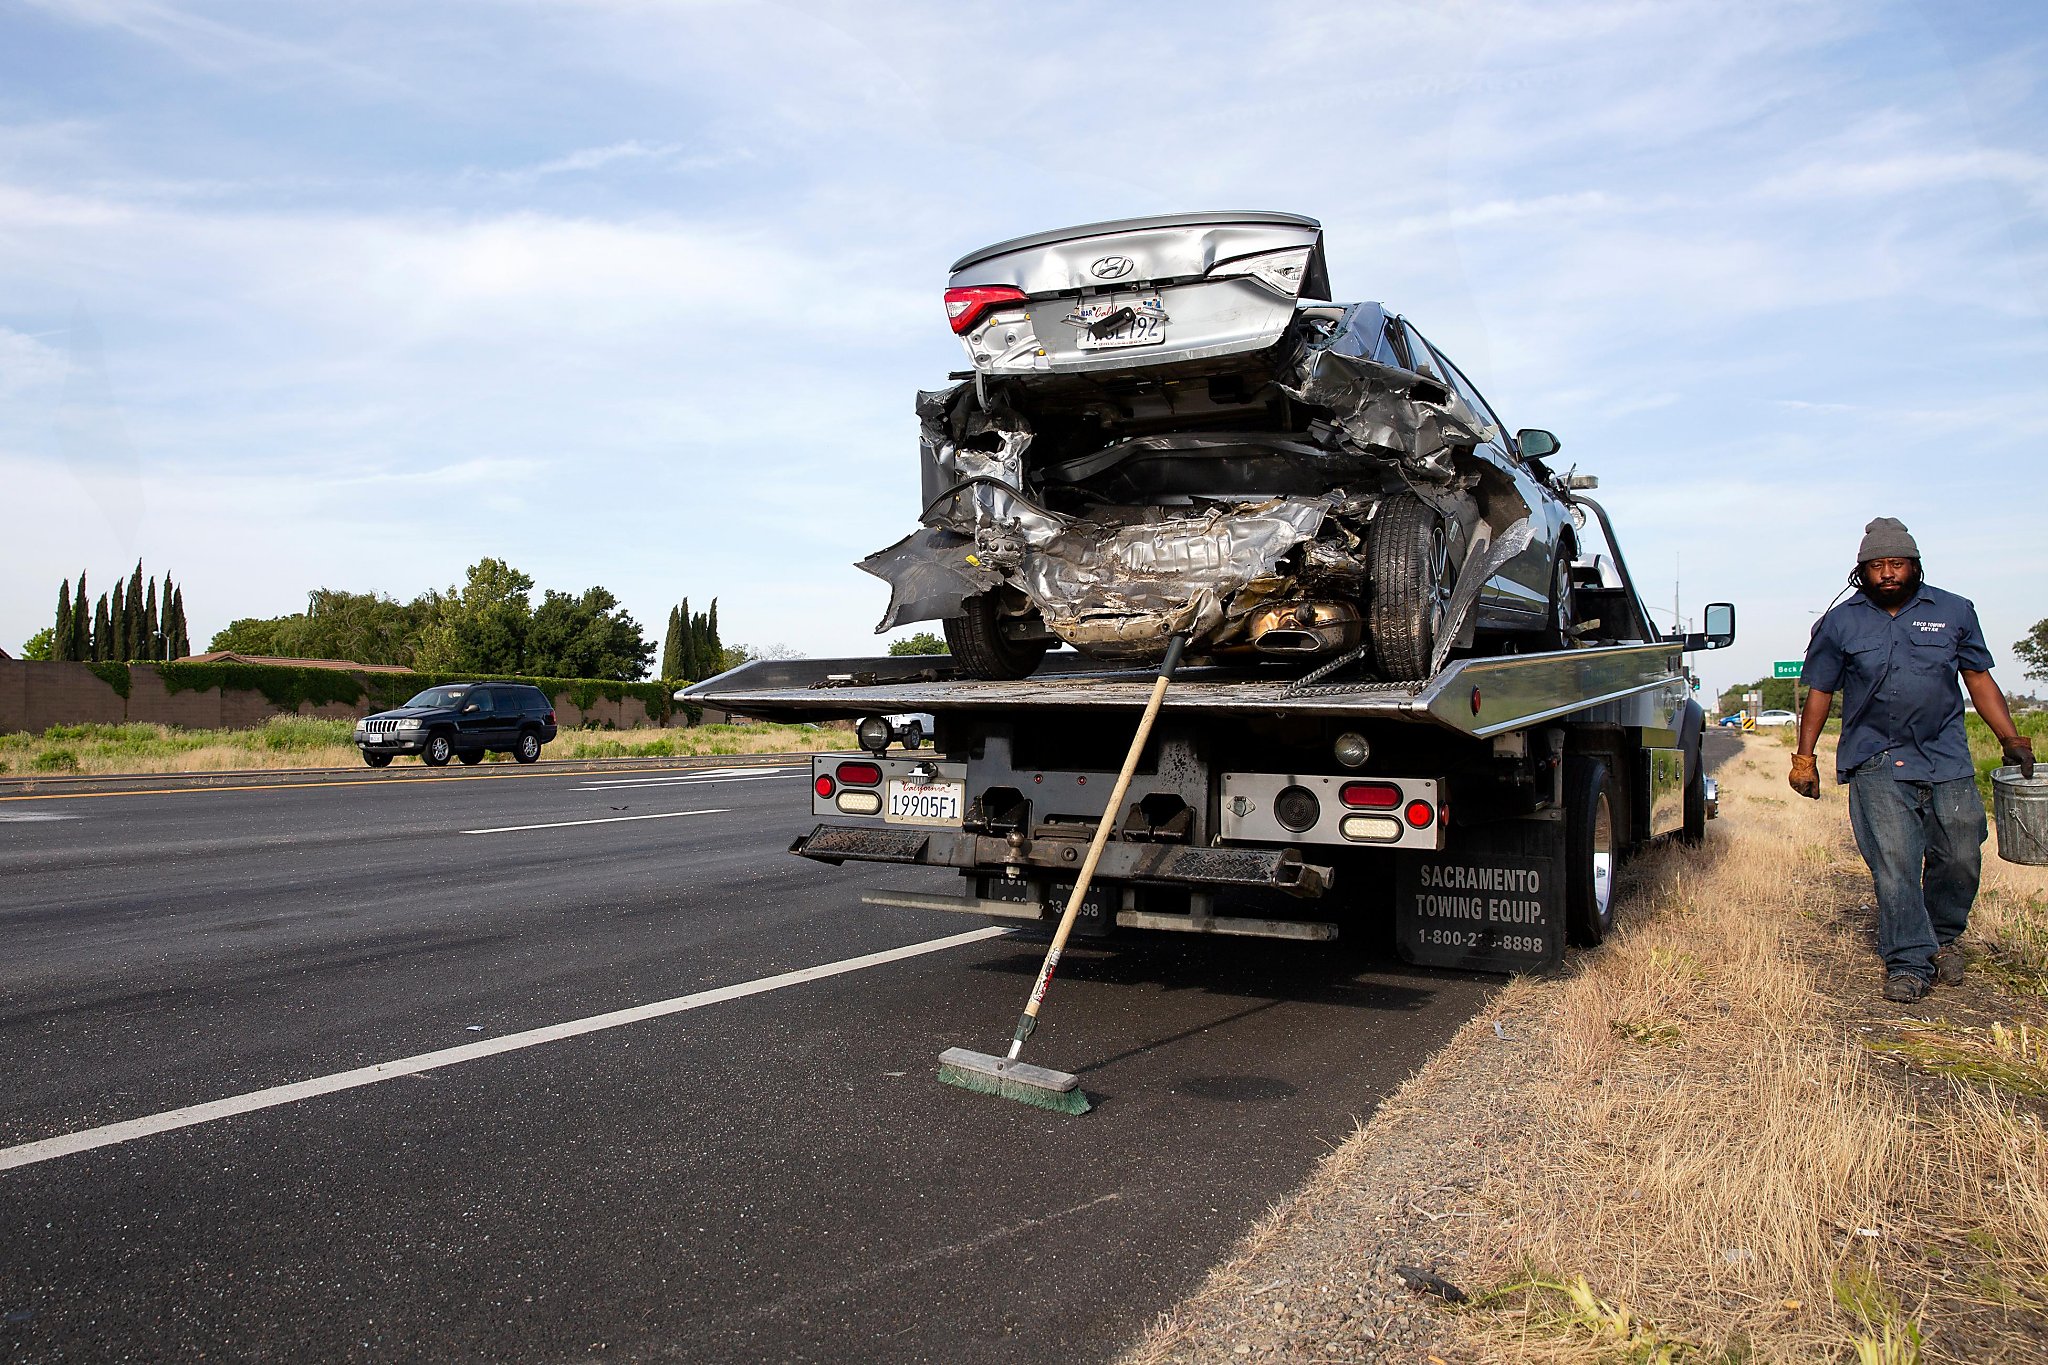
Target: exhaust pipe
[(1306, 628)]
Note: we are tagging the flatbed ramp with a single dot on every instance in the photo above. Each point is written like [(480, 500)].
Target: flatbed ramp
[(1478, 697)]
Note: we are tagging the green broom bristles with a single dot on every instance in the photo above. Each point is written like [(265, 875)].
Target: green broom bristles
[(1059, 1101)]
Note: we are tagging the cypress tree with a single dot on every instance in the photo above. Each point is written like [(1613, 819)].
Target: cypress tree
[(152, 642), (117, 623), (136, 648), (60, 647), (81, 622), (672, 647), (686, 662), (180, 643), (714, 652), (164, 621), (102, 630)]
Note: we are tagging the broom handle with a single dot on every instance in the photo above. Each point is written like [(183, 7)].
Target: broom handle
[(1029, 1019)]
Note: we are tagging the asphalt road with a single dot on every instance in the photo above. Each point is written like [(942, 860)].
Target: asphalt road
[(775, 1176)]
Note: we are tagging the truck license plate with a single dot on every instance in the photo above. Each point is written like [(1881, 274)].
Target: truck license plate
[(924, 803)]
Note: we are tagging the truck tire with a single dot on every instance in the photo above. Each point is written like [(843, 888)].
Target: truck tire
[(1592, 849), (980, 648), (1412, 577), (440, 748), (1695, 832)]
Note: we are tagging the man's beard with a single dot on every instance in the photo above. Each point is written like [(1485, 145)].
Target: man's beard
[(1893, 597)]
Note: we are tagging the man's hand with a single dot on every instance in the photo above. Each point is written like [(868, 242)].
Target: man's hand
[(2018, 750), (1805, 777)]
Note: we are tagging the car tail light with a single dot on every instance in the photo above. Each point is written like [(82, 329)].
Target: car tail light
[(965, 307), (825, 786), (1420, 813), (1284, 272), (1370, 795), (551, 718), (859, 775)]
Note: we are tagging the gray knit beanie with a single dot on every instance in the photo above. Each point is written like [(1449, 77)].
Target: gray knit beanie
[(1886, 538)]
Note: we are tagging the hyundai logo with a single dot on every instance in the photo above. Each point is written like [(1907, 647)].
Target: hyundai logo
[(1113, 267)]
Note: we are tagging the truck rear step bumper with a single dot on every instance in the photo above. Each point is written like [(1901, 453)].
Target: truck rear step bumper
[(1281, 869), (1301, 931)]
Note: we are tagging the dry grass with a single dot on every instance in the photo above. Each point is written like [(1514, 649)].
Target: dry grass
[(1756, 1186), (311, 742)]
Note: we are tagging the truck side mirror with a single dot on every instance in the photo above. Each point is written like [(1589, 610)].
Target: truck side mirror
[(1719, 618), (1535, 443)]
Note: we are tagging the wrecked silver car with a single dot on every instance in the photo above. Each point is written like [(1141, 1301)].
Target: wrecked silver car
[(1166, 430)]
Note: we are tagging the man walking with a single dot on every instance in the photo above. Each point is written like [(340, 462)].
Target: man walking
[(1894, 651)]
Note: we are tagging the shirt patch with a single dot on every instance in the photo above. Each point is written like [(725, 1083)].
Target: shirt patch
[(1929, 626)]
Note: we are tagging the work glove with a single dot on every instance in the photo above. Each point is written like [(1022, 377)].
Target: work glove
[(2019, 750), (1805, 778)]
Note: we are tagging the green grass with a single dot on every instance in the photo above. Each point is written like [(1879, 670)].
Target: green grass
[(1984, 751)]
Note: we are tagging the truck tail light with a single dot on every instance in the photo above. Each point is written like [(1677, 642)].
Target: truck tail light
[(1370, 795), (1419, 814), (825, 786), (859, 775), (965, 307)]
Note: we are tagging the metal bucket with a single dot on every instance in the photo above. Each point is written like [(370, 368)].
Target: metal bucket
[(2020, 805)]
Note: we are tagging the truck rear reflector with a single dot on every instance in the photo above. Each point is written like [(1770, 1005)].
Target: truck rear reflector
[(1381, 829), (1370, 795), (859, 775)]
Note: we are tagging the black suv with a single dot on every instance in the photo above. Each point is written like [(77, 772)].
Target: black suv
[(465, 720)]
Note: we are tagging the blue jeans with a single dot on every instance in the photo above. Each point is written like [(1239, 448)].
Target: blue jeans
[(1923, 842)]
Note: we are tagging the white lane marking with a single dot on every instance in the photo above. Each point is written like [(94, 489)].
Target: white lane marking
[(600, 784), (32, 817), (606, 820), (86, 1139), (701, 782)]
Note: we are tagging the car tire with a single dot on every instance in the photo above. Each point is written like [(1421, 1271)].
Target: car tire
[(1558, 626), (980, 648), (913, 735), (1412, 576), (1592, 849), (440, 748), (471, 757), (376, 760), (528, 750)]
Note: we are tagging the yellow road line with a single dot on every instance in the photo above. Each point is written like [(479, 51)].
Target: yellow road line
[(321, 786)]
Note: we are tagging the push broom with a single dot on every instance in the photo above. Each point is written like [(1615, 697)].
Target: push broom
[(1006, 1076)]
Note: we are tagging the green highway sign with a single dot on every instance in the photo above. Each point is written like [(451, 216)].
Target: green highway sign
[(1785, 669)]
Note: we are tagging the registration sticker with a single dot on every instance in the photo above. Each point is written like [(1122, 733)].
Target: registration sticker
[(924, 803)]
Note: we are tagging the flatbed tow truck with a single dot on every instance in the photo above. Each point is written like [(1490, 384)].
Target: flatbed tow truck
[(1481, 813)]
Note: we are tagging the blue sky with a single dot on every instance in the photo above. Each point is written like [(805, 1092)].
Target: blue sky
[(640, 294)]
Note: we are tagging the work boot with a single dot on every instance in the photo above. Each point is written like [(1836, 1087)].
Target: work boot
[(1948, 964), (1904, 988)]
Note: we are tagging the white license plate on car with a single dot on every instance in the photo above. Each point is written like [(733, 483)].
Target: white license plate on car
[(924, 803), (1143, 328)]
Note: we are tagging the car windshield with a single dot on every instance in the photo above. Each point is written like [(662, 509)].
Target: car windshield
[(440, 696)]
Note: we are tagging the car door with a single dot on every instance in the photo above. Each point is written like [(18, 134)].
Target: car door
[(474, 719), (1519, 593)]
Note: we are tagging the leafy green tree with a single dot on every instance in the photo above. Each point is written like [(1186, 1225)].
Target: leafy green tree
[(672, 645), (2032, 652), (481, 626), (60, 633), (924, 642), (41, 646), (249, 635), (588, 636)]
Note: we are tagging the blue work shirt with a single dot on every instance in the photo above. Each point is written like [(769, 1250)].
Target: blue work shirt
[(1898, 676)]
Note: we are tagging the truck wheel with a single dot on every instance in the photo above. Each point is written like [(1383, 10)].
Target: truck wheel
[(1592, 850), (439, 750), (1695, 832), (1412, 578), (978, 645), (471, 757), (529, 747), (376, 760)]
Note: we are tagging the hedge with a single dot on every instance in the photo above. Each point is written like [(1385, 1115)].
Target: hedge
[(289, 688)]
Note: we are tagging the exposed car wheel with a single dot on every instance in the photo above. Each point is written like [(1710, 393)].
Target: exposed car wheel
[(529, 747), (1412, 578), (1563, 615), (913, 735), (376, 760), (1592, 850), (978, 645), (471, 757), (439, 750)]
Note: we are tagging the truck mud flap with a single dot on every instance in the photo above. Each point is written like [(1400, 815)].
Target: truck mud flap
[(1494, 902), (838, 844)]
